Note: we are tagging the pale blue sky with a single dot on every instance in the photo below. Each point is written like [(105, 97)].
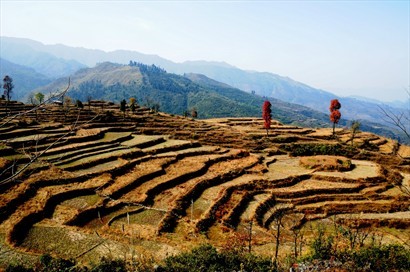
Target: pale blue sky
[(345, 47)]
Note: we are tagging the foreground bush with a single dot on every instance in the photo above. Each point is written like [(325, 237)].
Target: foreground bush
[(50, 264), (325, 254), (107, 265), (383, 258), (207, 258)]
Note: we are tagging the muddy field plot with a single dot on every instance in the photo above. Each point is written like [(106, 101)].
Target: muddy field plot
[(152, 180)]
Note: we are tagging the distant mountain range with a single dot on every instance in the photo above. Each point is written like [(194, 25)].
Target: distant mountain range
[(55, 61), (176, 94), (25, 79)]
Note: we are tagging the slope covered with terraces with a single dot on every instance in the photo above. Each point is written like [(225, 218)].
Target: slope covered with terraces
[(95, 182)]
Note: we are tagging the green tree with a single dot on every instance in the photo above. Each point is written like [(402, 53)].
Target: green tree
[(123, 107), (8, 87), (39, 97), (79, 104), (355, 126)]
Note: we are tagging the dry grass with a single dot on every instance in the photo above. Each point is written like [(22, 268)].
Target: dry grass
[(141, 139), (88, 132), (326, 163), (4, 163), (140, 170), (286, 166), (361, 170), (311, 186), (404, 151)]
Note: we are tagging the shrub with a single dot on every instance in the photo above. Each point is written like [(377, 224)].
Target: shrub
[(207, 258), (107, 265), (383, 258), (50, 264), (297, 150), (18, 268), (374, 257), (322, 245)]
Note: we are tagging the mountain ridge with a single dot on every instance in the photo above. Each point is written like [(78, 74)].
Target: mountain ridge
[(175, 94), (262, 83), (24, 78)]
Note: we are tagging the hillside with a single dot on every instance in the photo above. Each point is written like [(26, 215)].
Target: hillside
[(175, 94), (155, 184), (289, 90), (24, 79), (263, 83)]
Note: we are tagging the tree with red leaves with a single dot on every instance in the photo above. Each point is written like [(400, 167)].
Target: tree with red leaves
[(335, 113), (266, 115)]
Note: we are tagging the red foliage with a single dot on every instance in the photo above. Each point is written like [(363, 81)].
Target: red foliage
[(334, 105), (266, 114), (334, 111), (335, 116)]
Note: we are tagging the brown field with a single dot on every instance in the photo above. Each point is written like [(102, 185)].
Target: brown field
[(158, 184)]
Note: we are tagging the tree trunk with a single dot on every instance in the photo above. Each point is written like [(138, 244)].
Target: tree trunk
[(277, 242)]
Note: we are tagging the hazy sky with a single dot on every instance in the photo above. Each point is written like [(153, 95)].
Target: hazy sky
[(345, 47)]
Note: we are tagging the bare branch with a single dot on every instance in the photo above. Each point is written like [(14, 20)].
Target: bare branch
[(39, 106), (396, 119), (38, 155)]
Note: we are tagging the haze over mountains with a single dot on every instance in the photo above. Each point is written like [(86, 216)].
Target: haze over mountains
[(55, 61)]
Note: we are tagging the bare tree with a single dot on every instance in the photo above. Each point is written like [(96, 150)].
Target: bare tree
[(277, 226), (400, 120)]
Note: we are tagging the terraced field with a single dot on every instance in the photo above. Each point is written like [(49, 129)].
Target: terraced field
[(105, 184)]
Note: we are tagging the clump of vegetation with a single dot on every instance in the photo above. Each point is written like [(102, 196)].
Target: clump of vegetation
[(354, 249), (312, 149), (207, 258), (383, 258), (327, 163), (47, 263), (107, 265)]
